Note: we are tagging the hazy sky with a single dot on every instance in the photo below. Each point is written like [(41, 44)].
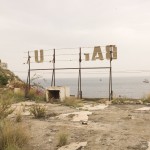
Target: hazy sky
[(35, 24)]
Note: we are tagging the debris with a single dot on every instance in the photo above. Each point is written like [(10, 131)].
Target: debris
[(73, 146), (84, 122)]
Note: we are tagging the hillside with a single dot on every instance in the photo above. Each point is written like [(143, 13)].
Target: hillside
[(8, 78)]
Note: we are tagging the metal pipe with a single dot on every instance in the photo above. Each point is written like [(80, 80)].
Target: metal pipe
[(72, 68), (54, 67), (52, 79), (80, 72), (111, 75), (29, 70)]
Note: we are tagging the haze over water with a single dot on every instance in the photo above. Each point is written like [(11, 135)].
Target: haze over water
[(131, 87)]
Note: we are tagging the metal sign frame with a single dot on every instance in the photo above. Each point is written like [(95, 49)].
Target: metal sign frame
[(80, 68)]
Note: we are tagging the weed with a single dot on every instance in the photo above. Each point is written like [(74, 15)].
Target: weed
[(146, 99), (36, 95), (11, 96), (12, 136), (72, 102), (5, 108), (18, 117), (123, 100), (62, 139), (38, 111)]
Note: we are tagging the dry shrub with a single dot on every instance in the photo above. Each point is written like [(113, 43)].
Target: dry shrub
[(38, 111), (18, 117), (123, 100), (5, 108), (36, 95), (146, 99), (12, 136), (62, 139), (9, 95), (72, 102), (17, 84), (19, 96)]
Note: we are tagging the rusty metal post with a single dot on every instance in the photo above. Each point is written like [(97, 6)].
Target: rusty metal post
[(53, 73), (29, 78), (110, 80), (54, 66), (80, 90), (27, 87), (52, 79)]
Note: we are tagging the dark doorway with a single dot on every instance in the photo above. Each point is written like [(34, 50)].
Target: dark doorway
[(53, 94)]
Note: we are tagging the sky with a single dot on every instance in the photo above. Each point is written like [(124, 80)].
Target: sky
[(28, 25)]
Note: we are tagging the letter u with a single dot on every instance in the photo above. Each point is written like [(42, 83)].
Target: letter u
[(41, 56)]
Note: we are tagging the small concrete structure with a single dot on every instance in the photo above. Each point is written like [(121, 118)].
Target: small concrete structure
[(57, 93), (3, 65)]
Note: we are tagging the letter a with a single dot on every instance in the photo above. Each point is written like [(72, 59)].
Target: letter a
[(41, 56), (97, 51)]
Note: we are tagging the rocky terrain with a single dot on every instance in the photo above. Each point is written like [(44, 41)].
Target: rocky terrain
[(91, 127)]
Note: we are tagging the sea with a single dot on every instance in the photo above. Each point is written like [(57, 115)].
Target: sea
[(126, 87)]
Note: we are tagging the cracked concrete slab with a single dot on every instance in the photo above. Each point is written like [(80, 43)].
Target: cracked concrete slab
[(144, 108), (77, 116), (73, 146), (94, 107)]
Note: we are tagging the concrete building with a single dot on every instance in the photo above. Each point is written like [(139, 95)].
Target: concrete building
[(57, 93)]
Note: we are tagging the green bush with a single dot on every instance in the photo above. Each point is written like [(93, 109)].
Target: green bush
[(3, 80)]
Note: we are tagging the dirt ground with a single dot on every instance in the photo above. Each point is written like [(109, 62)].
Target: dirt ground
[(117, 127)]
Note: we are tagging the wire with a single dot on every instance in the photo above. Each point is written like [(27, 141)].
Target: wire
[(68, 60), (66, 54), (69, 48), (88, 72)]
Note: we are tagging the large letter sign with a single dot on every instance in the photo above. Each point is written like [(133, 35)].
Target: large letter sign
[(97, 54), (111, 49), (37, 57)]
